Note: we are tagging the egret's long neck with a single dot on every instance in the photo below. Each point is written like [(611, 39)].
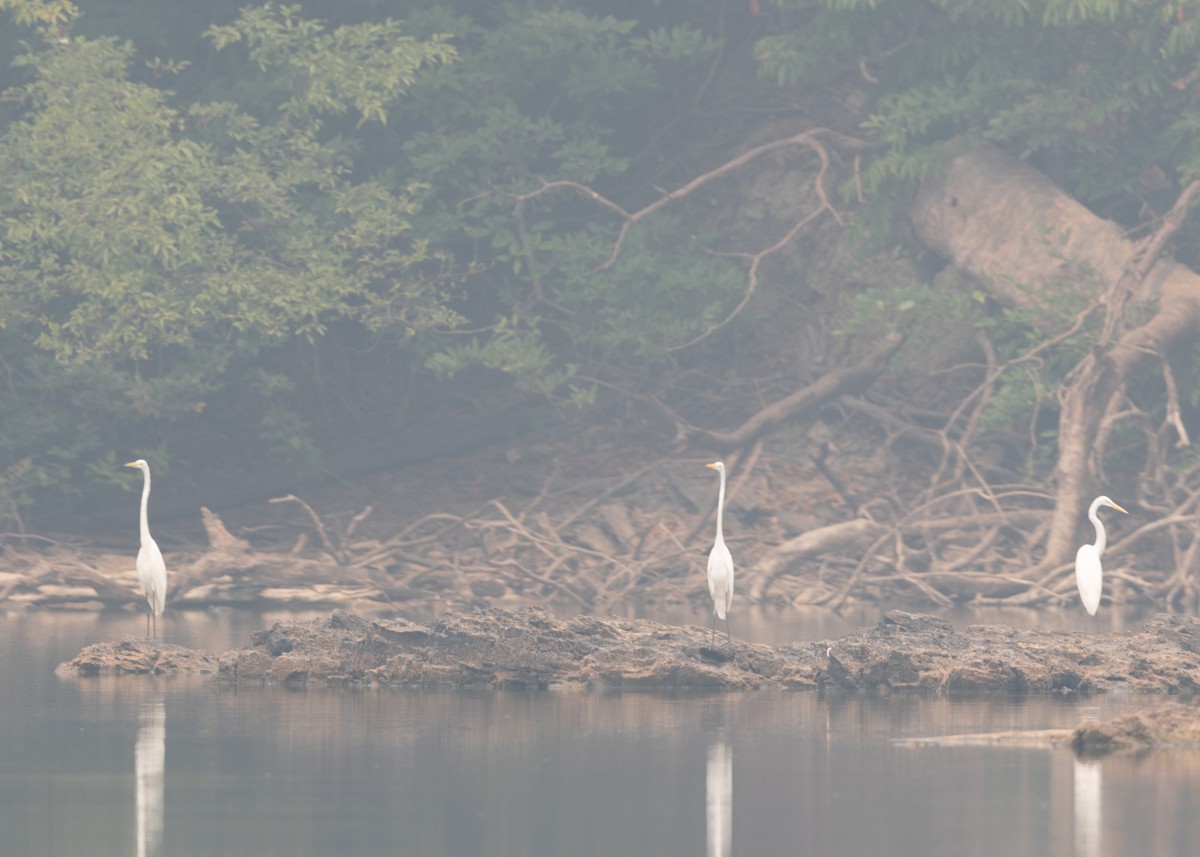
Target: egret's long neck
[(721, 507), (1101, 536), (145, 499)]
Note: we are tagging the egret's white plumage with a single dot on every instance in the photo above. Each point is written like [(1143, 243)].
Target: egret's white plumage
[(1089, 577), (720, 564), (151, 570)]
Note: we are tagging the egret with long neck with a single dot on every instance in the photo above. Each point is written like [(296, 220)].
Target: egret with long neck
[(1089, 577), (720, 566), (151, 570)]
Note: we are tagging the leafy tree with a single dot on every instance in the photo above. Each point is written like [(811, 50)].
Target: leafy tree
[(1100, 93), (149, 252), (163, 253), (545, 111)]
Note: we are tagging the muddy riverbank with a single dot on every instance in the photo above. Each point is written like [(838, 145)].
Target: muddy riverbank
[(530, 648)]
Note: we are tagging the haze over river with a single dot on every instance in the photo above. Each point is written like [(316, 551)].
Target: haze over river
[(153, 766)]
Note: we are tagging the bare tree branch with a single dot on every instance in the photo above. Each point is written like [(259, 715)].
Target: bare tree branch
[(839, 382)]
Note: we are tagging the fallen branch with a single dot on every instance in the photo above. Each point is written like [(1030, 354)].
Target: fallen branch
[(1006, 226), (849, 380)]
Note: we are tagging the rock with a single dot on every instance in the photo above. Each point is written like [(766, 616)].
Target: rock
[(906, 652), (499, 649), (1170, 724), (144, 657), (914, 652)]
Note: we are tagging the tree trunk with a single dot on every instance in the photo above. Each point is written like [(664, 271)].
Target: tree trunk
[(1024, 240)]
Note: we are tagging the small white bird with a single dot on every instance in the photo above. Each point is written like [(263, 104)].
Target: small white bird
[(720, 565), (1088, 575), (151, 570)]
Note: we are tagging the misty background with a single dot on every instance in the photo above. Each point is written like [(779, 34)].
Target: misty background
[(424, 256)]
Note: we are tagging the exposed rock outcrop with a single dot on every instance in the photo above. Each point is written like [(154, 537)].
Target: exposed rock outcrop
[(1171, 724), (530, 648), (139, 657)]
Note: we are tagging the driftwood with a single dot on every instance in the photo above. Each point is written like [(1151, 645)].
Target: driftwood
[(847, 537), (1011, 230), (64, 576), (1169, 726), (849, 380), (592, 546), (598, 544), (586, 553)]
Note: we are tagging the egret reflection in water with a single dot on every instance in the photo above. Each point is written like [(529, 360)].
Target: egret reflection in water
[(719, 793), (149, 762), (1088, 793)]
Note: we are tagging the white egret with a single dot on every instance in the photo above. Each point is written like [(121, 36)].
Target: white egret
[(1088, 575), (151, 570), (720, 565)]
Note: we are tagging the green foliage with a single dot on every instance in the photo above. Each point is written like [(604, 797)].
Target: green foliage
[(901, 307), (1024, 401), (51, 15), (1100, 94), (361, 66), (662, 291), (940, 321), (1096, 89), (447, 192), (287, 434), (152, 251), (513, 347), (167, 253), (109, 468), (536, 100), (932, 319), (123, 237)]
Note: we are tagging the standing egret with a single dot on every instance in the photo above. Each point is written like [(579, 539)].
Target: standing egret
[(1088, 575), (151, 570), (720, 566)]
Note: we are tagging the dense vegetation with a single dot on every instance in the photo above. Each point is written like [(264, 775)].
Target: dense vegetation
[(266, 229), (285, 218)]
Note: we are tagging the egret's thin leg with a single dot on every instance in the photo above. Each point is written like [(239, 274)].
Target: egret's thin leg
[(728, 635), (148, 615), (713, 638)]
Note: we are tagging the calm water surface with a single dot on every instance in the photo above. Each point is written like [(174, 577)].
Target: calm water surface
[(156, 767)]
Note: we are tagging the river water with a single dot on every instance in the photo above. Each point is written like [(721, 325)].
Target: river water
[(145, 766)]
